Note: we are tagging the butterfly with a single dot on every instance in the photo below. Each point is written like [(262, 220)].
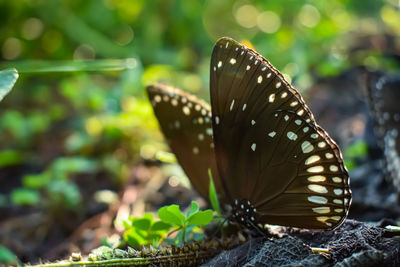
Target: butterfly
[(383, 96), (274, 164)]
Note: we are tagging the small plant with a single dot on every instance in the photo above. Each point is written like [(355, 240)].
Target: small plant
[(213, 195), (52, 187), (185, 225), (145, 231), (354, 153)]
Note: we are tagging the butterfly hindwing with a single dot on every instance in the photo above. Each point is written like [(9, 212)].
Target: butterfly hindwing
[(264, 135), (186, 123)]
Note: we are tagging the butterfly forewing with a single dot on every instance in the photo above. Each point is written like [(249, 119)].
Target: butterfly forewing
[(186, 123), (269, 149), (384, 94)]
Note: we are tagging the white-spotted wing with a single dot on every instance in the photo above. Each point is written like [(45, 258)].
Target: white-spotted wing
[(276, 165), (186, 123)]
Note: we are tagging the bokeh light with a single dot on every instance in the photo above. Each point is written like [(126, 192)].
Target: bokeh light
[(84, 52), (11, 48), (309, 16), (268, 22), (32, 28), (246, 16)]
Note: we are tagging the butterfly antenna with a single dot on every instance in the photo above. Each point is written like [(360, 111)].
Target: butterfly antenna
[(258, 229)]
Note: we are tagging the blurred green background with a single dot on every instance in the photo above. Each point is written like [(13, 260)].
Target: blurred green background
[(63, 131)]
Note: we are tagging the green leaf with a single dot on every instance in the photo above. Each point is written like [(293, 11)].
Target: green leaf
[(134, 238), (23, 196), (36, 180), (193, 209), (198, 236), (358, 149), (171, 214), (160, 226), (141, 223), (153, 237), (166, 157), (7, 80), (6, 256), (74, 165), (213, 195), (64, 192), (127, 223), (201, 218), (10, 157)]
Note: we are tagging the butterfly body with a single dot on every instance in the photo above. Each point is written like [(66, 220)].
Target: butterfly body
[(275, 164)]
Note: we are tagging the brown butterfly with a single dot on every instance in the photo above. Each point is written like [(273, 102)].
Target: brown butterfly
[(272, 163)]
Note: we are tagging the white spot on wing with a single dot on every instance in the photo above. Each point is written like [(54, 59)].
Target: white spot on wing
[(272, 134), (316, 169), (338, 201), (292, 136), (307, 147), (232, 61), (271, 98), (321, 210), (318, 199), (259, 79), (333, 168), (233, 102), (318, 188), (253, 146), (338, 191), (321, 144), (219, 64), (312, 159), (336, 179), (316, 179), (186, 110)]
